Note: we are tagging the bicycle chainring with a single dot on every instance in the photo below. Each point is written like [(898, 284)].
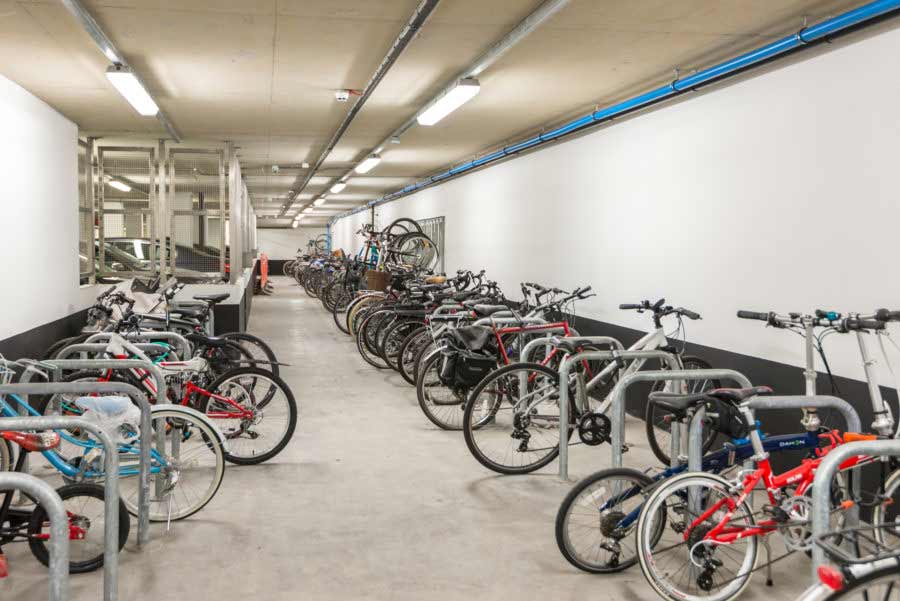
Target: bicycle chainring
[(797, 530), (594, 429)]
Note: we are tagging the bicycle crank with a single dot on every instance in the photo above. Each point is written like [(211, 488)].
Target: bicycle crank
[(594, 429)]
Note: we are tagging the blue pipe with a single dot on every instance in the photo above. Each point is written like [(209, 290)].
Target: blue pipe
[(813, 33)]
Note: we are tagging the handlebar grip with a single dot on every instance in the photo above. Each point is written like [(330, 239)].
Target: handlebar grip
[(864, 324), (887, 315), (753, 315), (628, 306), (690, 314)]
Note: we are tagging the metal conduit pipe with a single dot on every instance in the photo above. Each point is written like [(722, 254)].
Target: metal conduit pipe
[(518, 33), (808, 35), (420, 15)]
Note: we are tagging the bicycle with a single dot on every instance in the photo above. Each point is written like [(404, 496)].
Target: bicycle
[(714, 534), (518, 432), (85, 509)]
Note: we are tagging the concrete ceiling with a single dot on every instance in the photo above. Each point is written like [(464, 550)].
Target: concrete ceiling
[(263, 73)]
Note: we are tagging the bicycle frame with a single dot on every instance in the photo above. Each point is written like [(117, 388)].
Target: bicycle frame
[(240, 413), (68, 470)]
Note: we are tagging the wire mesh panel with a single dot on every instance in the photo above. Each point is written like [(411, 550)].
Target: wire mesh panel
[(197, 208), (126, 201), (434, 229), (85, 213)]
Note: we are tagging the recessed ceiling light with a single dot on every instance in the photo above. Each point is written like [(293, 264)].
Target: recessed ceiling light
[(338, 187)]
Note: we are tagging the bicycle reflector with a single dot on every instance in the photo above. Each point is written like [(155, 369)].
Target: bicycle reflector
[(831, 577), (37, 442), (4, 567)]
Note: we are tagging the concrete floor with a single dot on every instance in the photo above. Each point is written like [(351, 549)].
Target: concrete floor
[(368, 502)]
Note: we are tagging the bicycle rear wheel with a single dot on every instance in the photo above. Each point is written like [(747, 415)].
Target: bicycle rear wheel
[(676, 558), (514, 429), (258, 437), (188, 465)]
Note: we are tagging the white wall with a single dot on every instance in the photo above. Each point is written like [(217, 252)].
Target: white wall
[(778, 192), (38, 213), (281, 243)]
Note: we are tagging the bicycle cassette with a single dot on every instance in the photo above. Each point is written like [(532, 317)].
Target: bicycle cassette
[(594, 429)]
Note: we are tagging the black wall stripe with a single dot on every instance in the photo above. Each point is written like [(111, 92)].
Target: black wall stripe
[(33, 343)]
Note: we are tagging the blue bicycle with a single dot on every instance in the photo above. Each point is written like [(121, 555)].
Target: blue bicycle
[(596, 520), (187, 459)]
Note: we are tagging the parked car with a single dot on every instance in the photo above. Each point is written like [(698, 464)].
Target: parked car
[(186, 258)]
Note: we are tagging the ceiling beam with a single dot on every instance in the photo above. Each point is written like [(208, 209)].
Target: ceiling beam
[(415, 22), (114, 55)]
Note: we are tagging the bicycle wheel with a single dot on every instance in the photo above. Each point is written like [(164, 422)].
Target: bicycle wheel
[(442, 405), (423, 353), (187, 466), (339, 312), (409, 350), (886, 514), (85, 507), (265, 430), (595, 522), (364, 339), (288, 267), (514, 429), (258, 349), (659, 432), (394, 339), (678, 563)]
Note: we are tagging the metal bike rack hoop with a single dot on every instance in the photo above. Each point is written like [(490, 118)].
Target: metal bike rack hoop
[(532, 345), (147, 335), (25, 388), (48, 498), (821, 488), (617, 401), (618, 396), (111, 495)]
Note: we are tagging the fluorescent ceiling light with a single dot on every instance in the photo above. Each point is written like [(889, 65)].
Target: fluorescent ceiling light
[(368, 164), (338, 187), (111, 55), (308, 210), (295, 224), (319, 202), (129, 87), (465, 90), (120, 185)]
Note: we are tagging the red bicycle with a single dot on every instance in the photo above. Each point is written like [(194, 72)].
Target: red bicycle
[(698, 534)]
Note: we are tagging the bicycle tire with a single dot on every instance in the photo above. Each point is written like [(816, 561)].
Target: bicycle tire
[(39, 520), (288, 434)]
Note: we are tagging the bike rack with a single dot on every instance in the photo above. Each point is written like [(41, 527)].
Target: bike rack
[(27, 388), (147, 335), (48, 498), (554, 341), (677, 375), (111, 481), (95, 348), (617, 401), (821, 488)]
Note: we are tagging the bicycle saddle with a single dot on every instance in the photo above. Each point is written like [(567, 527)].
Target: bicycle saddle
[(676, 403), (212, 299), (487, 310), (189, 311), (200, 339), (738, 395), (572, 345)]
